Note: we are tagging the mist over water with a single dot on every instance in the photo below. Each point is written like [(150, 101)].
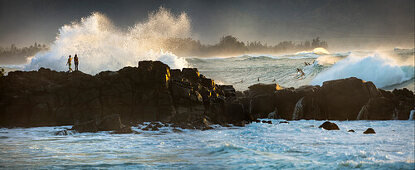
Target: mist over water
[(102, 46)]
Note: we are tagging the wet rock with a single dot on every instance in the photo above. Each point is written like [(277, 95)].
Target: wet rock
[(369, 131), (240, 124), (344, 98), (88, 126), (380, 108), (263, 89), (329, 126), (64, 132), (228, 90), (272, 115), (267, 121), (177, 130), (284, 122), (351, 130), (261, 106), (124, 130), (110, 123), (152, 92)]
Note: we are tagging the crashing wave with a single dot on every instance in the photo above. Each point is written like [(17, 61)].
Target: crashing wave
[(101, 46), (382, 71)]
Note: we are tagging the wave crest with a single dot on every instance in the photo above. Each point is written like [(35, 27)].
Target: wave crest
[(382, 71), (101, 46)]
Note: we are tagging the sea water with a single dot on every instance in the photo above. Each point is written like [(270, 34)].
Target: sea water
[(386, 69), (297, 145)]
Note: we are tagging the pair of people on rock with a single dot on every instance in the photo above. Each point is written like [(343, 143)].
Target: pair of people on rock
[(69, 63)]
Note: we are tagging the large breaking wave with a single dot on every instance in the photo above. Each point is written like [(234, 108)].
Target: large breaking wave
[(102, 46), (381, 70)]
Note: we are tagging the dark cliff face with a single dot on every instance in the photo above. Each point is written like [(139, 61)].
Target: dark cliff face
[(154, 92)]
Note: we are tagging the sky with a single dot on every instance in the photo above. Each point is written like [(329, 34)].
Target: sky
[(343, 23)]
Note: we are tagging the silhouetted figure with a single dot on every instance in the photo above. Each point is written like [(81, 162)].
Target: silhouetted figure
[(273, 80), (75, 59), (300, 71), (258, 79), (69, 63)]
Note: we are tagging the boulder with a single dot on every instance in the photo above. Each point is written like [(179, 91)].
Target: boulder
[(191, 74), (110, 123), (351, 130), (88, 126), (263, 89), (369, 131), (344, 98), (329, 126)]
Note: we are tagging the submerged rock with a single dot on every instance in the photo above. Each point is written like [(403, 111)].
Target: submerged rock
[(369, 131), (351, 130), (329, 126), (64, 132)]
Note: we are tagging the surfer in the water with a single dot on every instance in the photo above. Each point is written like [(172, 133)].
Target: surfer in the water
[(300, 72)]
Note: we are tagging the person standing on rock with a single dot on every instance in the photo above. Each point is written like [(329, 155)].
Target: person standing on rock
[(75, 59), (69, 63)]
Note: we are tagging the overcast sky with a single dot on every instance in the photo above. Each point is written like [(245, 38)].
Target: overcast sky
[(348, 23)]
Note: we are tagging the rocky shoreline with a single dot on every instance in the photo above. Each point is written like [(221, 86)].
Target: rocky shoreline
[(152, 92)]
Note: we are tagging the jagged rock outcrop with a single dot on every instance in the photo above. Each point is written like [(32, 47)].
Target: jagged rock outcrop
[(154, 92), (148, 92), (343, 99)]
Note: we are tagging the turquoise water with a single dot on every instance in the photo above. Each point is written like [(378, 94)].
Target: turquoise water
[(297, 145)]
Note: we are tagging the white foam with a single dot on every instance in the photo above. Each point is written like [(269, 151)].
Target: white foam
[(101, 46), (382, 71)]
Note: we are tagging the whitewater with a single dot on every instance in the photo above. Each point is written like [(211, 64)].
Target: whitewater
[(102, 46), (387, 69), (297, 145)]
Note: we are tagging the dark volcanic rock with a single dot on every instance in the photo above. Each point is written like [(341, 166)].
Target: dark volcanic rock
[(351, 130), (329, 126), (88, 126), (152, 92), (343, 99), (109, 123), (369, 131), (106, 123), (380, 108), (138, 94)]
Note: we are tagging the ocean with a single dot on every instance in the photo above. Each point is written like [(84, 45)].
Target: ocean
[(387, 69), (297, 145)]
